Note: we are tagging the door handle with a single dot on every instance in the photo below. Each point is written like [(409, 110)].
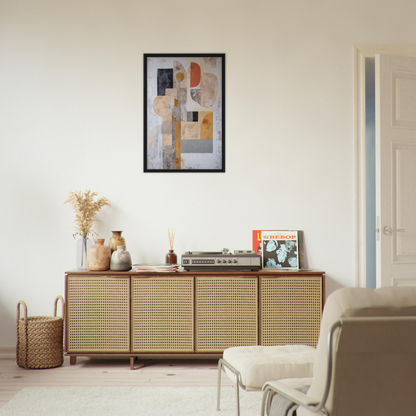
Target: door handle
[(388, 231)]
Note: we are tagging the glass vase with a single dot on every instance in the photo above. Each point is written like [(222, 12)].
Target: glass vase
[(81, 252)]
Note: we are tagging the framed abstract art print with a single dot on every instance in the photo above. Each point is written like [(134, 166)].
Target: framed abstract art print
[(184, 113)]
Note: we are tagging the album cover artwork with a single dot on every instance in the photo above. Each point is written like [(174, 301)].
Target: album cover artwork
[(279, 248)]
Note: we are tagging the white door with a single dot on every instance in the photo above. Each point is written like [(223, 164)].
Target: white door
[(396, 170)]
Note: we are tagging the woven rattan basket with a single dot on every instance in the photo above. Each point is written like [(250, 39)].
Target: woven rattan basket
[(40, 338)]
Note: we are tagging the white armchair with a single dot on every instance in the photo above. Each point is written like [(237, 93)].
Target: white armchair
[(365, 363)]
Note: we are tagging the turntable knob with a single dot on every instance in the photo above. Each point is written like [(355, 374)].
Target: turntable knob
[(225, 250)]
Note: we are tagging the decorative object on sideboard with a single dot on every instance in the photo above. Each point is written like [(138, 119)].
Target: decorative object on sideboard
[(280, 248), (120, 259), (82, 246), (98, 256), (171, 257), (86, 210), (40, 338), (240, 260), (116, 240)]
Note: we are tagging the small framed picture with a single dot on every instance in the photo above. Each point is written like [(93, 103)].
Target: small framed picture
[(184, 113)]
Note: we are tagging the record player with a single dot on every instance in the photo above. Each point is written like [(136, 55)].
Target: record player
[(240, 260)]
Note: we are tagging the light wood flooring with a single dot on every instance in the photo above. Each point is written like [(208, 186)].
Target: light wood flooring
[(109, 372)]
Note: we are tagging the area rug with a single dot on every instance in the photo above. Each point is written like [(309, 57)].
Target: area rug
[(130, 401)]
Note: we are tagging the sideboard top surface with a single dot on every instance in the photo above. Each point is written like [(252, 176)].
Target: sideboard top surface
[(262, 272)]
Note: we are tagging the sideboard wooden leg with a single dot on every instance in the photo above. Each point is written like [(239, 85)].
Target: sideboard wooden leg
[(72, 359), (131, 363)]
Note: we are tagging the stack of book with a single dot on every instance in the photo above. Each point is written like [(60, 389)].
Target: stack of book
[(155, 267)]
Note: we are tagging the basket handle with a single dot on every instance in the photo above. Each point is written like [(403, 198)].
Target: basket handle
[(21, 302), (24, 340), (56, 306)]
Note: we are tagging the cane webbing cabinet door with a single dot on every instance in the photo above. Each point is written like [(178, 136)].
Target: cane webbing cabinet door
[(98, 310), (162, 314), (226, 312), (291, 309)]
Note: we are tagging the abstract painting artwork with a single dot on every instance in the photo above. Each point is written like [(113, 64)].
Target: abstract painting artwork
[(184, 113)]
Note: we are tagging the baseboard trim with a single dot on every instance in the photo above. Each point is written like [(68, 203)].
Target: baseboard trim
[(7, 352)]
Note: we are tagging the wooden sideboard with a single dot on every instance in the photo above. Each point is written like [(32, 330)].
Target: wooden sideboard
[(189, 313)]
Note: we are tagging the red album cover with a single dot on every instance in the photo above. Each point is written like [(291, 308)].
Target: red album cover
[(257, 241)]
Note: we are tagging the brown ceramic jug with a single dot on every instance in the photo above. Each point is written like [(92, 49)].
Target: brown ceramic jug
[(116, 240)]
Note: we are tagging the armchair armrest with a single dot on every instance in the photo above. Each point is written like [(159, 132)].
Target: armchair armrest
[(312, 404), (291, 393)]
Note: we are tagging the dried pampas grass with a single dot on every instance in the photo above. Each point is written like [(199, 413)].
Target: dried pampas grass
[(85, 210)]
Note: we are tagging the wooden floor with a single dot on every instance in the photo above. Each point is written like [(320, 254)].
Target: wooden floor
[(109, 372)]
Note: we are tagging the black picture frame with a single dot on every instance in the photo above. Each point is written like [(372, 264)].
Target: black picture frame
[(184, 112)]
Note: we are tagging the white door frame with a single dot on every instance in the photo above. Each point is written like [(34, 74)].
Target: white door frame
[(360, 53)]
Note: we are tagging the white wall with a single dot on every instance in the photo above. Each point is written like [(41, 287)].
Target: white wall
[(71, 118)]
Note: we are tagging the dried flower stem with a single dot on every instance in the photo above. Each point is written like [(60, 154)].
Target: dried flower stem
[(85, 210), (171, 236)]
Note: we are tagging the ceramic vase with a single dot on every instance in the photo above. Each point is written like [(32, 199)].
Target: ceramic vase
[(171, 258), (121, 259), (98, 256), (116, 240), (82, 246)]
